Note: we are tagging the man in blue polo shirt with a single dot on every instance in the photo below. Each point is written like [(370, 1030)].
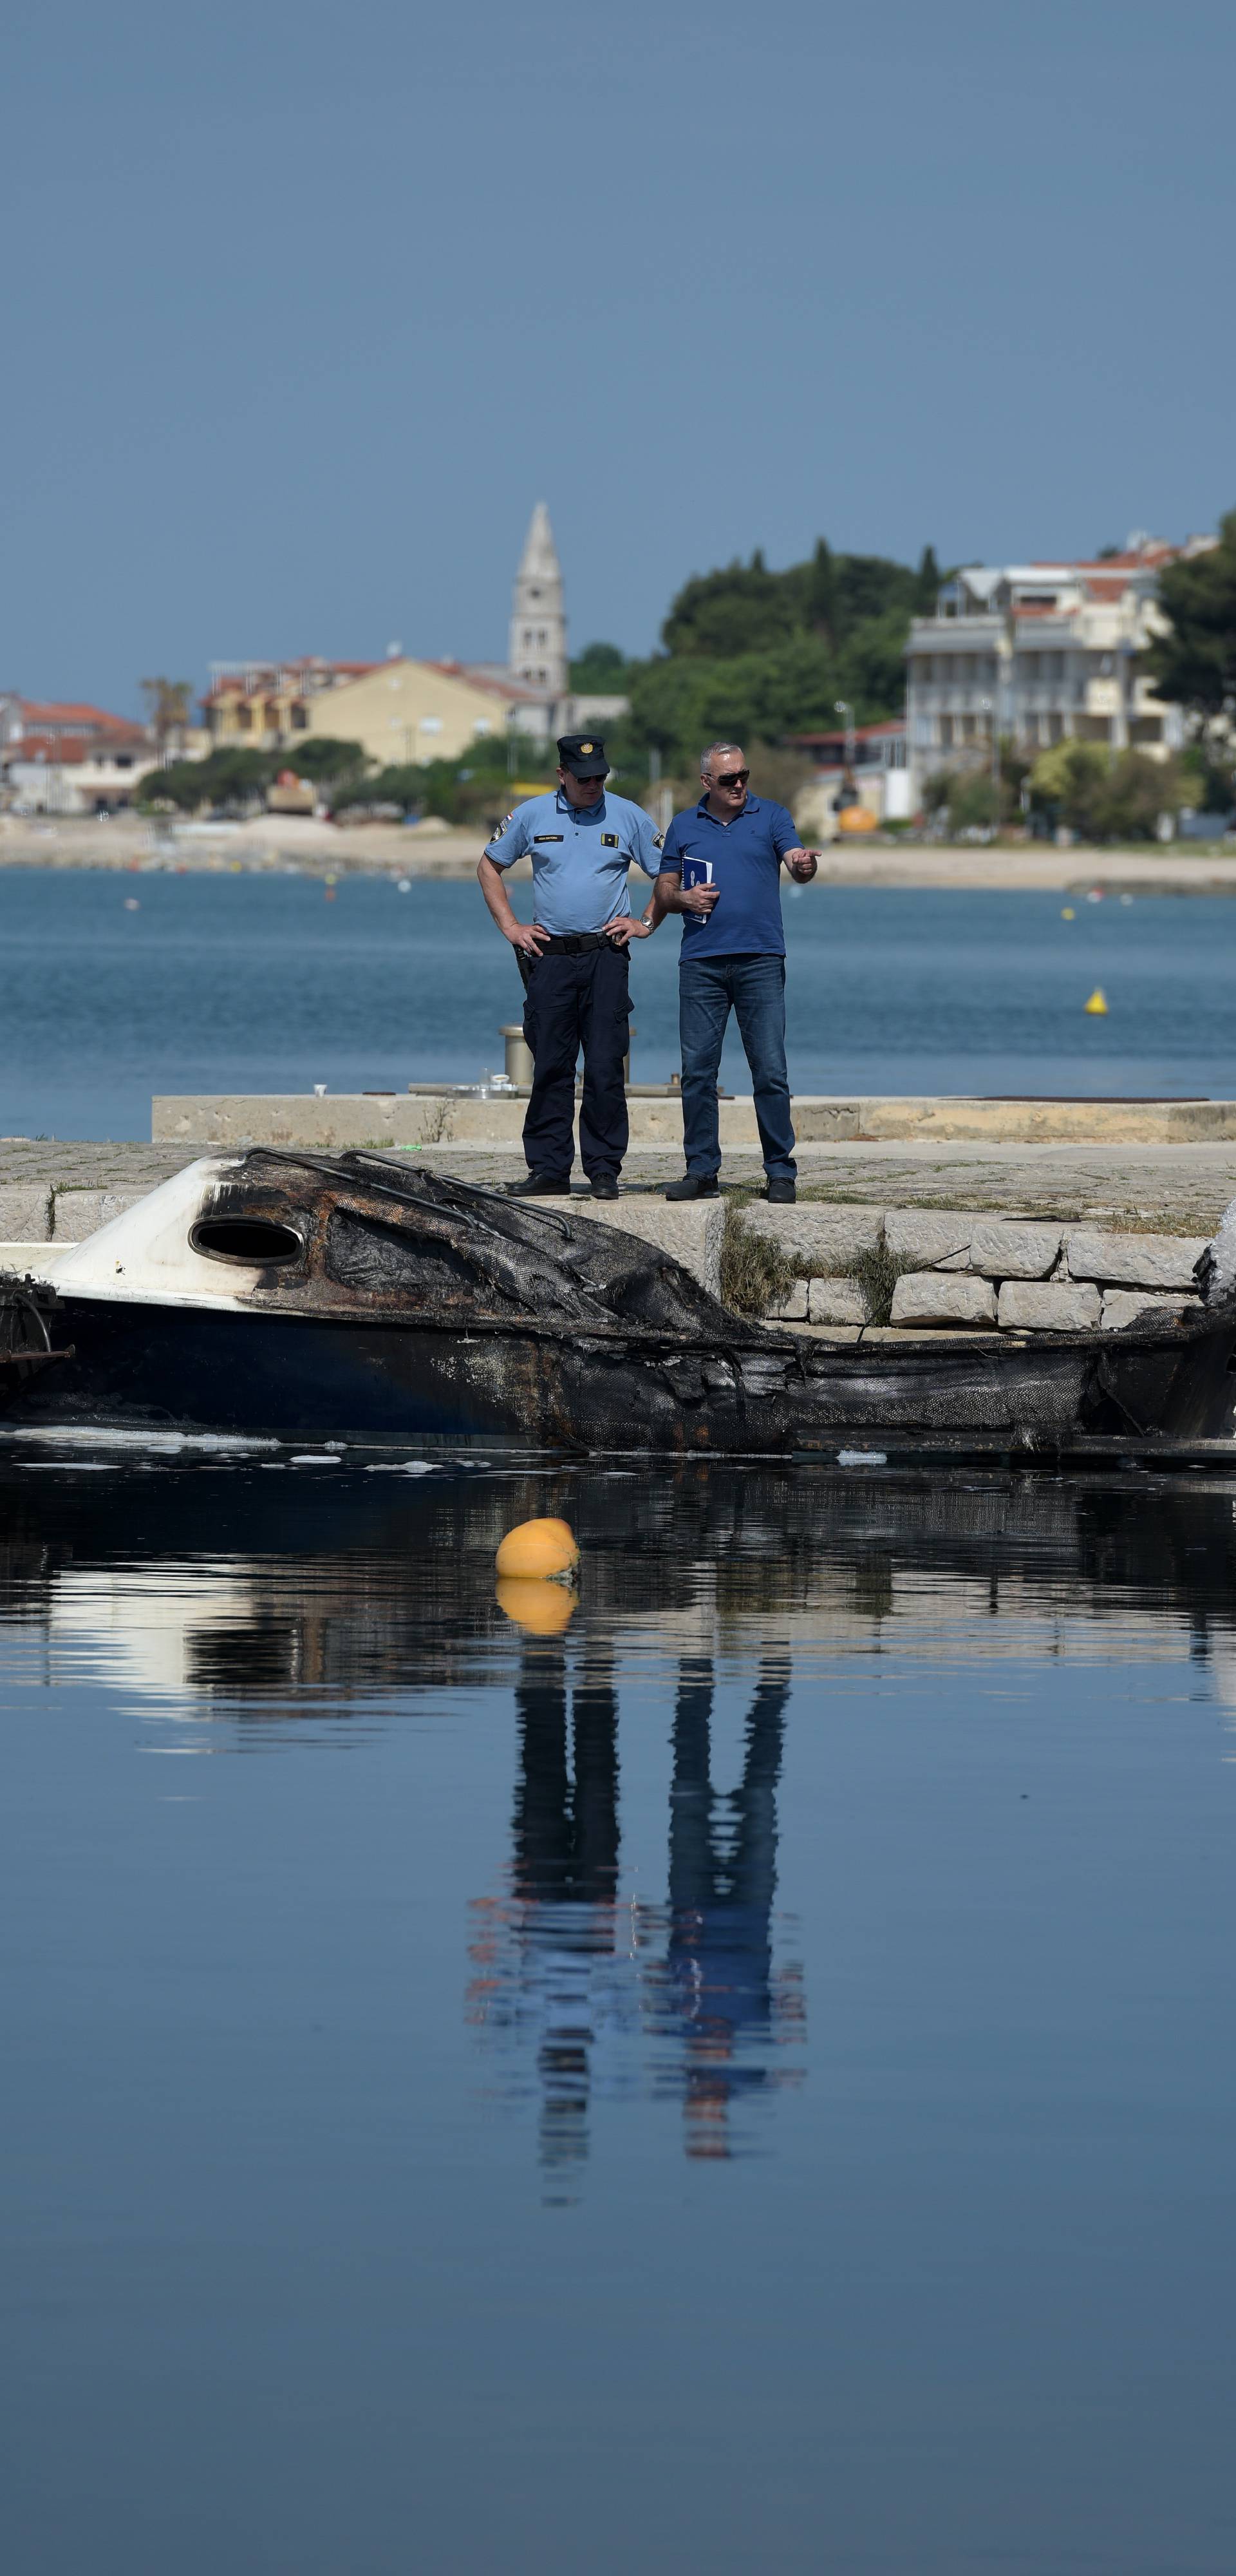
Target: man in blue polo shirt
[(721, 869), (573, 960)]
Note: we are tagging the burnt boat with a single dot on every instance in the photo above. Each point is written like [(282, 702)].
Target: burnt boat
[(297, 1296)]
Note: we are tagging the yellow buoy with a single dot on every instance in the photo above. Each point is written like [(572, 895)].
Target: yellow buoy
[(544, 1609), (1097, 1003), (1068, 913), (542, 1549)]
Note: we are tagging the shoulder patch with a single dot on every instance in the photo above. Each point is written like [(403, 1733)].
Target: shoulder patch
[(505, 824), (658, 840), (610, 841)]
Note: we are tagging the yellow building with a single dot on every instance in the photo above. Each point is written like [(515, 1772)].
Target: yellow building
[(399, 710), (409, 711)]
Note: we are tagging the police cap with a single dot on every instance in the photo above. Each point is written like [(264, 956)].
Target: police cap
[(584, 755)]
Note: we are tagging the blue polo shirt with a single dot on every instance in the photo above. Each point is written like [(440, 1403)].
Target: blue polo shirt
[(580, 855), (746, 860)]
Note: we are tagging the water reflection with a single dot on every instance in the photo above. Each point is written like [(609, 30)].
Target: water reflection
[(565, 1973), (204, 1595), (716, 1987)]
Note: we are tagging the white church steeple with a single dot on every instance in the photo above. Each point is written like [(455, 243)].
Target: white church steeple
[(538, 649)]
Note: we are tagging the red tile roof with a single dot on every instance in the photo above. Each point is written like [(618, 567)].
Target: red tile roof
[(296, 669), (49, 712), (65, 752)]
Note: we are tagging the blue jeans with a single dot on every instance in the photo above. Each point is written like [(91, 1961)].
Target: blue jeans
[(754, 988)]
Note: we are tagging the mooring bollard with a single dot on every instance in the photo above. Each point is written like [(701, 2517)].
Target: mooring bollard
[(519, 1057)]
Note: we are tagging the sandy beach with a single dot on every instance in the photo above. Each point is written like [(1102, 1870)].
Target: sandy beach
[(280, 841)]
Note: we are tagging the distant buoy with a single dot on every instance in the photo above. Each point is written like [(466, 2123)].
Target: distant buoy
[(1068, 913), (543, 1550), (544, 1609), (1097, 1004)]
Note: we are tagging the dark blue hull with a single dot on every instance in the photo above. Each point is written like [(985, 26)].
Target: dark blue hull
[(390, 1380)]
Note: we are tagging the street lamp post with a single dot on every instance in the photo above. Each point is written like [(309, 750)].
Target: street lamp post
[(989, 710)]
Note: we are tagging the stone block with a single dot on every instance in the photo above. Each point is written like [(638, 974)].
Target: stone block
[(25, 1212), (1133, 1260), (933, 1238), (690, 1234), (790, 1309), (1048, 1306), (1123, 1306), (935, 1297), (818, 1238), (837, 1301), (1001, 1249), (80, 1213)]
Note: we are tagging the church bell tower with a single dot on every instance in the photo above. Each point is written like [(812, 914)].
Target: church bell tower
[(538, 647)]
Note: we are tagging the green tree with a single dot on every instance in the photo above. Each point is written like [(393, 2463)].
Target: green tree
[(927, 582), (228, 781), (326, 757), (820, 602), (167, 708), (1103, 795), (743, 609), (1194, 666), (599, 671)]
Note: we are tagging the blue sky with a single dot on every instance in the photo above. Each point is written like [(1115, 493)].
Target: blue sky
[(306, 306)]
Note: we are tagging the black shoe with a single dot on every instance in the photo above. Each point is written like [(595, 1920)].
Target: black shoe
[(695, 1185), (603, 1185), (539, 1185), (781, 1194)]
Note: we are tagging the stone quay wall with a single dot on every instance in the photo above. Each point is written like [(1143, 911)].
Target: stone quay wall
[(951, 1270)]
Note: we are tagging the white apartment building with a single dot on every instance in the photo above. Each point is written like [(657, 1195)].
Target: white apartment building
[(1041, 653)]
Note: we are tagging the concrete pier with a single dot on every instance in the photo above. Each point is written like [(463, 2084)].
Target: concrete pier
[(460, 1117)]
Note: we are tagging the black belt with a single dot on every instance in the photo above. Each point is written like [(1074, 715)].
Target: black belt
[(576, 944)]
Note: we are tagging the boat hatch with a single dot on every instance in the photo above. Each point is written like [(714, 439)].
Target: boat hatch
[(251, 1239)]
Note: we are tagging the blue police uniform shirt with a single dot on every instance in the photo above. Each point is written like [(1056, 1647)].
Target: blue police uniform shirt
[(580, 855), (746, 860)]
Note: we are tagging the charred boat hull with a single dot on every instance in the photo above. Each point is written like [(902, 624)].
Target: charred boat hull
[(314, 1298), (302, 1377)]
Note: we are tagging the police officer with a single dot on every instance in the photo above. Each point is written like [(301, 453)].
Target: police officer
[(573, 959)]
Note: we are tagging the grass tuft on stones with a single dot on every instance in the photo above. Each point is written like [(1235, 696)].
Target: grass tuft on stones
[(754, 1269), (877, 1272)]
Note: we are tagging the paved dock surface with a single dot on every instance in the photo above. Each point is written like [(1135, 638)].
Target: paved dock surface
[(1179, 1188)]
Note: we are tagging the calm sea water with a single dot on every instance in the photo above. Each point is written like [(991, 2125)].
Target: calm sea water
[(745, 2081), (264, 984)]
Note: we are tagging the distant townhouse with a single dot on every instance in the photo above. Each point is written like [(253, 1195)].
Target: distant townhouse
[(1041, 653), (400, 710), (67, 758), (263, 706)]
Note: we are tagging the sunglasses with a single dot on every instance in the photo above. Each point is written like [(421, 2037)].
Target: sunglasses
[(733, 777)]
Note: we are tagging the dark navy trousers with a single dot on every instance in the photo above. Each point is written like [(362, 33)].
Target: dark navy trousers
[(569, 1003)]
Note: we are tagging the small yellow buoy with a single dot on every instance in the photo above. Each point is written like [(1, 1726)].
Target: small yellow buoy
[(1068, 913), (1097, 1003), (541, 1549), (544, 1609)]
